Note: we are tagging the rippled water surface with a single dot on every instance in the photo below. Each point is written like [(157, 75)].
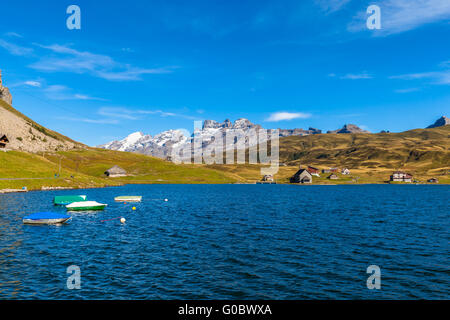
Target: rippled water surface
[(232, 242)]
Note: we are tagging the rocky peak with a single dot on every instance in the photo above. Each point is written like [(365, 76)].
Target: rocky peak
[(227, 124), (298, 132), (442, 121), (207, 124), (241, 123), (5, 95), (349, 128)]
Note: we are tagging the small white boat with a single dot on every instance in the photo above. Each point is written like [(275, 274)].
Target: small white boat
[(86, 206), (128, 198)]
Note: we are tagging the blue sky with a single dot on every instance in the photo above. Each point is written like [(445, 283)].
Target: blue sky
[(151, 66)]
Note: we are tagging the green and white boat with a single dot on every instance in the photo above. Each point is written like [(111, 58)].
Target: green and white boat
[(86, 206), (128, 198), (65, 200)]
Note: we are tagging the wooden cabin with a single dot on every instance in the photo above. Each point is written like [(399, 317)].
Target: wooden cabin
[(3, 141), (333, 177), (115, 172), (302, 176), (400, 176), (345, 171)]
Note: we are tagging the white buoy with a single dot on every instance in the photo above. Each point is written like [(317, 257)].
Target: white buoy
[(122, 220), (166, 199)]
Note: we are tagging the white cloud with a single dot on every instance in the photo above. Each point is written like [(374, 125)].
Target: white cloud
[(132, 73), (441, 77), (31, 83), (407, 90), (15, 49), (129, 114), (403, 15), (87, 120), (330, 6), (13, 35), (282, 116), (437, 77), (358, 76), (60, 92), (98, 65)]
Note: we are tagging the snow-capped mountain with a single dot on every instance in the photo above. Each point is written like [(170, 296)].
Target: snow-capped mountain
[(159, 146), (130, 143), (242, 131)]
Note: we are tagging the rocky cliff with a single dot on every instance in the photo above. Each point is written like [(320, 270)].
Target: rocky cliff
[(349, 128), (5, 95), (442, 121)]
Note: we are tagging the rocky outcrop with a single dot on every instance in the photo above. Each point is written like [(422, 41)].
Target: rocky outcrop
[(241, 123), (5, 95), (25, 135), (442, 121), (349, 128), (298, 132)]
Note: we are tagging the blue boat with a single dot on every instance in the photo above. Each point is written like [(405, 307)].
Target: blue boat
[(46, 218)]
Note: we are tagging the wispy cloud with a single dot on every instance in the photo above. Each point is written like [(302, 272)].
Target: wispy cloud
[(407, 90), (437, 77), (13, 35), (283, 116), (131, 114), (441, 77), (356, 76), (132, 73), (60, 92), (88, 120), (68, 59), (330, 6), (403, 15), (28, 83), (15, 49), (32, 83)]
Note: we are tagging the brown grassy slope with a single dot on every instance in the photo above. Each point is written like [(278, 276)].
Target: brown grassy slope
[(422, 149), (425, 153)]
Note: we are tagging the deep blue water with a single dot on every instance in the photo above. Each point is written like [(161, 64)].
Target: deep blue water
[(233, 242)]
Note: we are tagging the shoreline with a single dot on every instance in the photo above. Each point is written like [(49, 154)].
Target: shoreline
[(13, 191)]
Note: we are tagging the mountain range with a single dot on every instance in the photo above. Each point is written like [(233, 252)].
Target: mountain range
[(162, 144)]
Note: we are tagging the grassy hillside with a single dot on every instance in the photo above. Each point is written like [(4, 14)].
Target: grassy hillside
[(425, 153), (422, 150), (85, 168)]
